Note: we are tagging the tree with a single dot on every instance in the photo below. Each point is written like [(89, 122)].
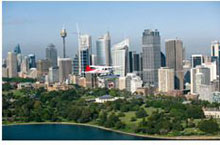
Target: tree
[(141, 113), (209, 126)]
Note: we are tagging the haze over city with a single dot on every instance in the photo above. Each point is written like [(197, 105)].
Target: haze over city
[(36, 24)]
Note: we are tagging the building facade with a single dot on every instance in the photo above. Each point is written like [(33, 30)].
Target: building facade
[(151, 56), (51, 54), (119, 57), (174, 60), (103, 52), (12, 65), (166, 79), (65, 68)]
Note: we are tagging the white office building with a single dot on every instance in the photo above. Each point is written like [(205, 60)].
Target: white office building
[(119, 57), (166, 79), (133, 82), (12, 65)]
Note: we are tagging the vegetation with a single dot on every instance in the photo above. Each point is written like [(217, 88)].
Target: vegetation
[(166, 116), (19, 80)]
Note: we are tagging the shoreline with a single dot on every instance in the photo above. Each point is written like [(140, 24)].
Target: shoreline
[(122, 132)]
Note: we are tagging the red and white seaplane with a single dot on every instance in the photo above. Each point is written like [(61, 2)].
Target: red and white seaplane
[(100, 70)]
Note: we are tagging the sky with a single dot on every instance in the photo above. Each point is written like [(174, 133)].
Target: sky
[(34, 25)]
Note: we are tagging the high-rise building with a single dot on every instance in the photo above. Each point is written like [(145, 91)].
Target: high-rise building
[(136, 58), (19, 60), (151, 56), (51, 54), (12, 65), (93, 60), (163, 59), (43, 67), (215, 48), (119, 57), (25, 65), (65, 68), (130, 64), (76, 65), (166, 79), (53, 74), (63, 34), (103, 52), (85, 46), (197, 59), (213, 69), (17, 49), (32, 61), (174, 60), (199, 75)]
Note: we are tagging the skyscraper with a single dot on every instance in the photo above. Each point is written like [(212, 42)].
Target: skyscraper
[(32, 61), (85, 45), (166, 79), (12, 65), (103, 52), (174, 60), (51, 54), (136, 58), (130, 64), (25, 65), (63, 34), (163, 59), (65, 68), (17, 49), (76, 65), (119, 57), (151, 56), (215, 48), (43, 67), (197, 60)]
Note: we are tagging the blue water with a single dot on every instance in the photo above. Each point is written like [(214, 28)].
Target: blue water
[(61, 132)]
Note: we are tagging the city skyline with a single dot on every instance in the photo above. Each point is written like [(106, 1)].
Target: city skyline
[(29, 15)]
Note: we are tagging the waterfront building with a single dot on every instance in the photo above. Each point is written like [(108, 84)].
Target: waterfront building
[(197, 59), (151, 56), (51, 54), (32, 61), (65, 68), (12, 65), (53, 75), (174, 60), (120, 57), (166, 79), (103, 52)]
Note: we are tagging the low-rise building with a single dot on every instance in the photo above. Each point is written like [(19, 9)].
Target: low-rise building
[(211, 112), (24, 85), (106, 98)]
